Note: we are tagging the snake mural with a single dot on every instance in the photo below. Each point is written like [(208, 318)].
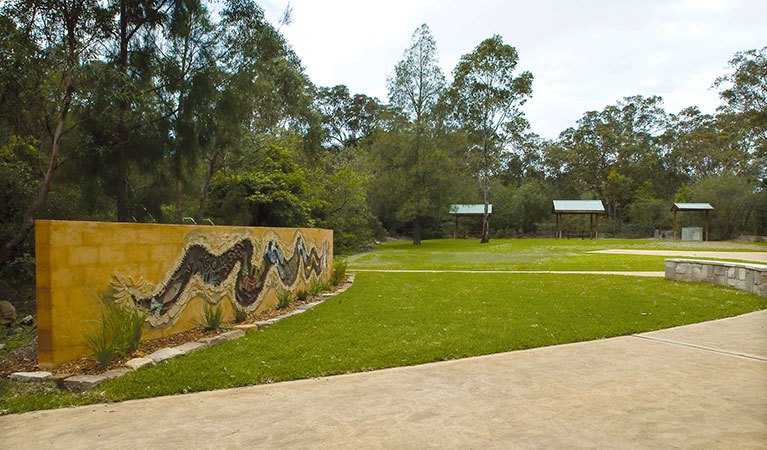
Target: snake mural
[(240, 269)]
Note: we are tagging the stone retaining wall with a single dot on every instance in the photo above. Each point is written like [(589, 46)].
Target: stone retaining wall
[(745, 276)]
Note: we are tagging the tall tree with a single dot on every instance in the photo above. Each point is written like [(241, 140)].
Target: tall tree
[(65, 34), (486, 98), (745, 94), (416, 87), (418, 81)]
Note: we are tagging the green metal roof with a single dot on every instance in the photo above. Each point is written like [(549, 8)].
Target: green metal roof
[(579, 206), (470, 210), (691, 206)]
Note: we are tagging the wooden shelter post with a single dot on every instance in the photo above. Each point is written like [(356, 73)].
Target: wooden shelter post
[(705, 227), (675, 211), (455, 227), (596, 229)]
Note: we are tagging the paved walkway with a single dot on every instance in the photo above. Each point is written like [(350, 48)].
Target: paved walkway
[(699, 386), (743, 256), (587, 272)]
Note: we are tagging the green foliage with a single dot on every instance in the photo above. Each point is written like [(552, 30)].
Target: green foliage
[(339, 271), (733, 200), (211, 317), (318, 285), (649, 215), (284, 297), (117, 333), (239, 315), (302, 294), (273, 192)]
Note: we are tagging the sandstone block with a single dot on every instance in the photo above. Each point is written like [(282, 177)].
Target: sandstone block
[(189, 347), (28, 377), (114, 373), (164, 354), (137, 363), (234, 334), (247, 327), (211, 340), (82, 383)]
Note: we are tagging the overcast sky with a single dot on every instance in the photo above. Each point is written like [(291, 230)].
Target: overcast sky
[(584, 55)]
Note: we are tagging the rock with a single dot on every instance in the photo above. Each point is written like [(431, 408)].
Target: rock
[(211, 340), (308, 306), (7, 312), (114, 373), (2, 346), (263, 323), (189, 347), (27, 320), (82, 383), (28, 377), (248, 327), (137, 363), (234, 334), (163, 354)]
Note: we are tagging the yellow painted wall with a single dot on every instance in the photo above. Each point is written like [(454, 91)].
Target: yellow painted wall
[(77, 261)]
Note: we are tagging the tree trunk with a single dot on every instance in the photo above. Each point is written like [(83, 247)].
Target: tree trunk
[(485, 194), (417, 231), (209, 171), (28, 221), (179, 202), (123, 214), (122, 181)]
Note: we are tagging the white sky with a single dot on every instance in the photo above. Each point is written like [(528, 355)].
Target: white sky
[(584, 55)]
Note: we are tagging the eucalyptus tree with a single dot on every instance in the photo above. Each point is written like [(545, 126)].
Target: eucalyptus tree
[(744, 91), (59, 37), (486, 97), (346, 118)]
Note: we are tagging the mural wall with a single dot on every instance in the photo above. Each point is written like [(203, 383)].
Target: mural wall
[(169, 271)]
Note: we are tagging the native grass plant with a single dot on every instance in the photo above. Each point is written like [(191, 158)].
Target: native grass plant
[(117, 333), (284, 297), (318, 285), (211, 317), (339, 271), (302, 295), (240, 315)]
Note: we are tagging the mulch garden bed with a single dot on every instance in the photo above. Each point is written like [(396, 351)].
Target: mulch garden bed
[(24, 358)]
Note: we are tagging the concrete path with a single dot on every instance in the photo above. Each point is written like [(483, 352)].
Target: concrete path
[(586, 272), (700, 386), (743, 256)]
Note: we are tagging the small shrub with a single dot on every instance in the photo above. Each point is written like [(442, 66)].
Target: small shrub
[(131, 323), (239, 315), (302, 295), (211, 317), (118, 333), (318, 285), (283, 298), (100, 341), (339, 271)]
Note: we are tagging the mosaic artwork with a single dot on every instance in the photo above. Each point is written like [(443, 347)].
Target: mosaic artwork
[(238, 267)]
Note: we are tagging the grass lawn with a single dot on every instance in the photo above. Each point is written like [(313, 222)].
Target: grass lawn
[(529, 254), (398, 319)]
